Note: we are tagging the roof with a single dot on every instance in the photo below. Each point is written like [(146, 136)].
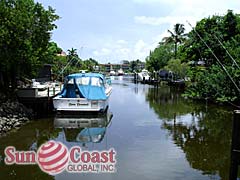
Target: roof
[(78, 75)]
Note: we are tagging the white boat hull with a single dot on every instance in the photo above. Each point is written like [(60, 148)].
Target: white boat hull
[(76, 95), (79, 104), (142, 78)]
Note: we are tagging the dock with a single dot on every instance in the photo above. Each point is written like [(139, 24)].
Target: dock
[(39, 100)]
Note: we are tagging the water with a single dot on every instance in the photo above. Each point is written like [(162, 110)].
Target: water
[(157, 135)]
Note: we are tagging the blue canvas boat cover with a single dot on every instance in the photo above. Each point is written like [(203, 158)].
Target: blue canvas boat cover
[(89, 90), (78, 75)]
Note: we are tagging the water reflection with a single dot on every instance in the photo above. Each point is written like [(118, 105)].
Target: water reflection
[(167, 102), (202, 132), (83, 129), (111, 78), (157, 135), (120, 78)]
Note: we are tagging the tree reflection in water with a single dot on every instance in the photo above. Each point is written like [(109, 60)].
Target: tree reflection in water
[(202, 132)]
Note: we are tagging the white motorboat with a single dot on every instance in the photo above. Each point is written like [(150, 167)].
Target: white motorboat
[(120, 72), (112, 73), (83, 92), (143, 76)]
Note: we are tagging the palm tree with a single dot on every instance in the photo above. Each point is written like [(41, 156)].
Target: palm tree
[(73, 57), (177, 36), (72, 52)]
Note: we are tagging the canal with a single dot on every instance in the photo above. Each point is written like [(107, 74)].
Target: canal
[(156, 132)]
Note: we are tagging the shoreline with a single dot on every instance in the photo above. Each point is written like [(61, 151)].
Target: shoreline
[(13, 115)]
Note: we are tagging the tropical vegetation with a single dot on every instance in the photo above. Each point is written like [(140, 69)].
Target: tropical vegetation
[(25, 46), (25, 28), (209, 55)]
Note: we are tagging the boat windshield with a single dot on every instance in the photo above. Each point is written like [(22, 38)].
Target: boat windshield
[(70, 81), (96, 82), (83, 80)]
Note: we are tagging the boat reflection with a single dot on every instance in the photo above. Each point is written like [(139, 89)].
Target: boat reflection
[(84, 128)]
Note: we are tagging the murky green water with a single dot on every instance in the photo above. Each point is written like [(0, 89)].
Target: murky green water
[(156, 133)]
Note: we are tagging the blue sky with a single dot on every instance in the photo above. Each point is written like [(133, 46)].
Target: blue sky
[(114, 30)]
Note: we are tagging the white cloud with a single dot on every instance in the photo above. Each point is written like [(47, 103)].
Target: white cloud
[(114, 50), (157, 21), (183, 11), (123, 50), (141, 50), (102, 52), (139, 47), (187, 10), (117, 37), (121, 41), (192, 3)]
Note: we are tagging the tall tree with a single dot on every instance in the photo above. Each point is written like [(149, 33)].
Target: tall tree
[(133, 65), (177, 36), (73, 57), (159, 57), (24, 38), (72, 52), (89, 64)]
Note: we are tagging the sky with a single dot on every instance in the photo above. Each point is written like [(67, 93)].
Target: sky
[(116, 30)]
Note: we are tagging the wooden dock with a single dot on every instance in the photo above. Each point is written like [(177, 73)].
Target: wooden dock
[(40, 101)]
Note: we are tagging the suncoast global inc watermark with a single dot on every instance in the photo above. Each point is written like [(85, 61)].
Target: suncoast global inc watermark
[(54, 157)]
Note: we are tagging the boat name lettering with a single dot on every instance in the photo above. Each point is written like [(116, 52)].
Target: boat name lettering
[(82, 103)]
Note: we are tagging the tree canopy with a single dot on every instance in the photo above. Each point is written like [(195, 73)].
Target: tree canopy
[(159, 58), (177, 36), (222, 35), (25, 31), (209, 55)]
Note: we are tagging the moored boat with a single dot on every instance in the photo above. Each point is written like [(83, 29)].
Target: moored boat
[(112, 73), (83, 92), (120, 72), (143, 76)]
